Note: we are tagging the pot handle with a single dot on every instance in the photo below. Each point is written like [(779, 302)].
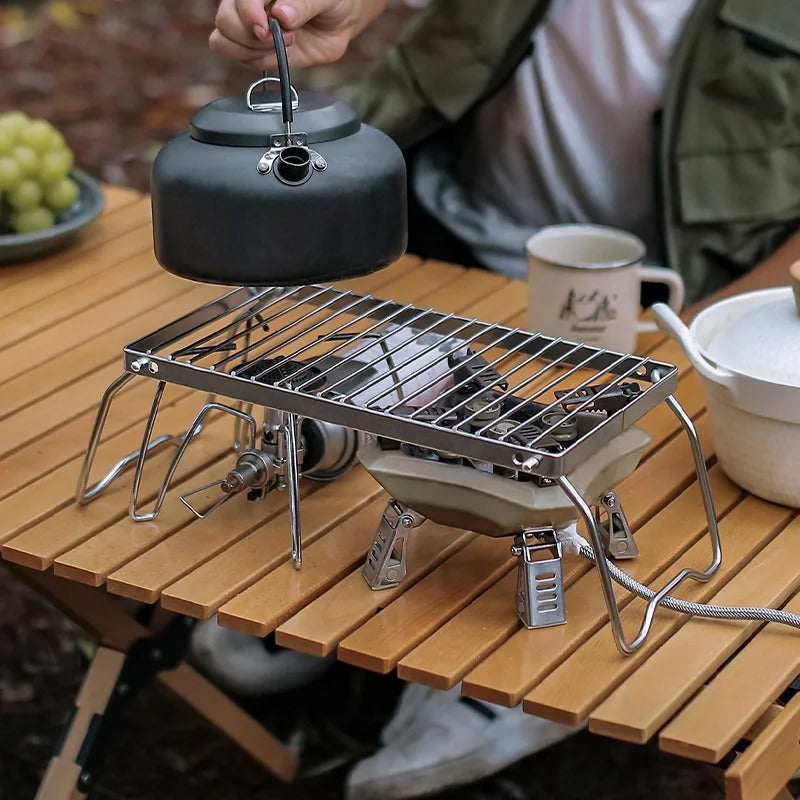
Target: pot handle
[(673, 325), (794, 276), (283, 72)]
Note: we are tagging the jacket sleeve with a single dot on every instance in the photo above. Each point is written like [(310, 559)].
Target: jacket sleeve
[(453, 54), (388, 98)]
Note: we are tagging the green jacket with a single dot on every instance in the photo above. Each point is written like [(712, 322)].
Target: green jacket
[(727, 139)]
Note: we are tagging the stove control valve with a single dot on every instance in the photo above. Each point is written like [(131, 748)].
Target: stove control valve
[(254, 470)]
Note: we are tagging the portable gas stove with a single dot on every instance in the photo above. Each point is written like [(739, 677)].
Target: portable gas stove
[(467, 423)]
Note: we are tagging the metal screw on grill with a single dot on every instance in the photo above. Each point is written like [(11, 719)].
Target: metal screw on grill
[(563, 430), (485, 408), (502, 429)]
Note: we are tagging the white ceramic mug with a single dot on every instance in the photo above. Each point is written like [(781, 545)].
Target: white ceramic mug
[(584, 284)]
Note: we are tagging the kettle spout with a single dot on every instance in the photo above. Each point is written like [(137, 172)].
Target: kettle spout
[(293, 164)]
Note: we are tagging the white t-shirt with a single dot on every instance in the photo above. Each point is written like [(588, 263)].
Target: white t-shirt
[(569, 138)]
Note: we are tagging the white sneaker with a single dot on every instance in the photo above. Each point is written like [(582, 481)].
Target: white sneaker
[(446, 740), (242, 664)]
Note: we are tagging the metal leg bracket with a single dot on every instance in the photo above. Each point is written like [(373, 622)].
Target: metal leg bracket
[(614, 528), (540, 588), (386, 561)]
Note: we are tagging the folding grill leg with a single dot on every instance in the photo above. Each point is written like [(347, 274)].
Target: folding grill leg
[(540, 589), (293, 483), (386, 562), (615, 530)]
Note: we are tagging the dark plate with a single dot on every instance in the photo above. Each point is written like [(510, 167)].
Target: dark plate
[(15, 247)]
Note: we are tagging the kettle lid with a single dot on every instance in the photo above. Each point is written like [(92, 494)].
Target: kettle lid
[(248, 120)]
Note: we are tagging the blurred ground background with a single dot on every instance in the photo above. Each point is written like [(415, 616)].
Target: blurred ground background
[(119, 79)]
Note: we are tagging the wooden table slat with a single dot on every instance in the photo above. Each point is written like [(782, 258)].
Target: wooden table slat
[(720, 715), (681, 665), (319, 627), (66, 334), (203, 590), (91, 264), (177, 549), (63, 306), (61, 370), (573, 691), (383, 640), (272, 599)]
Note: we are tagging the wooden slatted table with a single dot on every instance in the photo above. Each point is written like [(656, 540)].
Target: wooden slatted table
[(704, 688)]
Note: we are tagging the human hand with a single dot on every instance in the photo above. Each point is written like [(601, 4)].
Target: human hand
[(315, 31)]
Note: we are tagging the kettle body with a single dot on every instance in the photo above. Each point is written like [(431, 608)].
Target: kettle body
[(242, 199)]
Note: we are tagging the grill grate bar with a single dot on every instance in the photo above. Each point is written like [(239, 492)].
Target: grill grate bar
[(331, 335), (465, 381), (503, 377), (198, 348), (315, 311), (264, 323), (551, 385), (420, 371), (575, 411), (343, 340), (355, 353), (386, 355), (198, 313)]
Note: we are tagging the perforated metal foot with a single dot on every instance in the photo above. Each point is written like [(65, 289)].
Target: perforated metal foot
[(614, 528), (540, 588), (386, 562)]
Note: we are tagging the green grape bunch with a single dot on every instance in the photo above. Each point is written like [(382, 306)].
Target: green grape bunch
[(35, 182)]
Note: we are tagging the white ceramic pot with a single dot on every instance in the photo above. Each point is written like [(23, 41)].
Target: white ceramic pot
[(746, 350)]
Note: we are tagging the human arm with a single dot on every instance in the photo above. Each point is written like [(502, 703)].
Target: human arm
[(315, 31), (772, 271)]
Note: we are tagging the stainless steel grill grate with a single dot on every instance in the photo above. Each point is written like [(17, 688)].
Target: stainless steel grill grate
[(368, 364)]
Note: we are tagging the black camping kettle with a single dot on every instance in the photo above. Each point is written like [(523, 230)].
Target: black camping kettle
[(273, 189)]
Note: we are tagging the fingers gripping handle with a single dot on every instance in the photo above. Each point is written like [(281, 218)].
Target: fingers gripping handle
[(283, 71)]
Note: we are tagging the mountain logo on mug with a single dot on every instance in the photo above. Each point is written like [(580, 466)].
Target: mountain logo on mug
[(592, 307)]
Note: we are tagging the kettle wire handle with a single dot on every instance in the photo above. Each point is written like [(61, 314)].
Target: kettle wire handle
[(283, 73)]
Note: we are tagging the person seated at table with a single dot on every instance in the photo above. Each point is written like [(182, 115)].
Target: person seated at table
[(677, 120)]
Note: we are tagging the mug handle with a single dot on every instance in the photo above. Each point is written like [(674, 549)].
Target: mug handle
[(670, 278)]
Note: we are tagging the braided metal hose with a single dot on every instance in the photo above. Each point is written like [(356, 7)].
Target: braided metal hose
[(695, 609)]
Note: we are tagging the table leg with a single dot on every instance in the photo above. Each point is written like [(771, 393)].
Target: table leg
[(61, 780), (95, 611)]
